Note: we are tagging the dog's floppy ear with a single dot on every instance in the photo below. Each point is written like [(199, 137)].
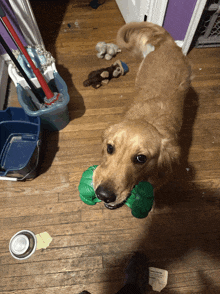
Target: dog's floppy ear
[(169, 153)]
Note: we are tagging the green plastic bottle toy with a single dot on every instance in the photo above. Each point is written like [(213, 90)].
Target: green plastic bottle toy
[(140, 201)]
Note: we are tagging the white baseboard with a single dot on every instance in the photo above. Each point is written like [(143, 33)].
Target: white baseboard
[(179, 43)]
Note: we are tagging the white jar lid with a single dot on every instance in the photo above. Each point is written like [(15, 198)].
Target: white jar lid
[(20, 244)]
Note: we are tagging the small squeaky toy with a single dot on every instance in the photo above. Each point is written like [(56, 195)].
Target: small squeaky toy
[(98, 78), (107, 51)]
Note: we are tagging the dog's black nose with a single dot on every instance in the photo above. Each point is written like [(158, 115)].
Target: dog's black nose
[(105, 195)]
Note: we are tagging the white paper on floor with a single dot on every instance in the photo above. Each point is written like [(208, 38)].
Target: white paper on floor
[(157, 278)]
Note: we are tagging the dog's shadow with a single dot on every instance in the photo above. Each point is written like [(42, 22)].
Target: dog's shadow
[(183, 173)]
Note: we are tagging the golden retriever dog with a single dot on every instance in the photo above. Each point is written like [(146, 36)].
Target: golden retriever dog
[(146, 141)]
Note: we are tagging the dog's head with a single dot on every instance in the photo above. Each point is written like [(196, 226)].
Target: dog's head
[(132, 152)]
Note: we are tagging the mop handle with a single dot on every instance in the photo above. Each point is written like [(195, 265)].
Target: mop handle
[(17, 64), (49, 94)]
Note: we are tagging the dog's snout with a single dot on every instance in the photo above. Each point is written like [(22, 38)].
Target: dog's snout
[(105, 195)]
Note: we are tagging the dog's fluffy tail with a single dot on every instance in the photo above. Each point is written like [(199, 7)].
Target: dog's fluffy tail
[(135, 36)]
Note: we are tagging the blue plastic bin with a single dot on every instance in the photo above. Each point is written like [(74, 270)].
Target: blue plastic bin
[(55, 117), (19, 144)]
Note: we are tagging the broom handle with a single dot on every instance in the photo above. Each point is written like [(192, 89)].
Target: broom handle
[(31, 85), (49, 94)]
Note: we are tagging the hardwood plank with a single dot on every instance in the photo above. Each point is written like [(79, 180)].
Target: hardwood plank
[(59, 279), (53, 266), (72, 228), (92, 287)]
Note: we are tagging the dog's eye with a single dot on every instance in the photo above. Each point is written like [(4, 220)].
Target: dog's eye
[(110, 149), (140, 158)]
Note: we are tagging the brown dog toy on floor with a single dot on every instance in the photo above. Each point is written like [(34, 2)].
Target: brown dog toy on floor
[(102, 76)]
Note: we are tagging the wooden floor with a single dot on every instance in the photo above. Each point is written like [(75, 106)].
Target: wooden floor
[(91, 244)]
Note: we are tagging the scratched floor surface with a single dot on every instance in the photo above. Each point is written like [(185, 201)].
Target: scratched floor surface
[(91, 244)]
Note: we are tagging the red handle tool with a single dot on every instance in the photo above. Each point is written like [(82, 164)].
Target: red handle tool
[(5, 21)]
